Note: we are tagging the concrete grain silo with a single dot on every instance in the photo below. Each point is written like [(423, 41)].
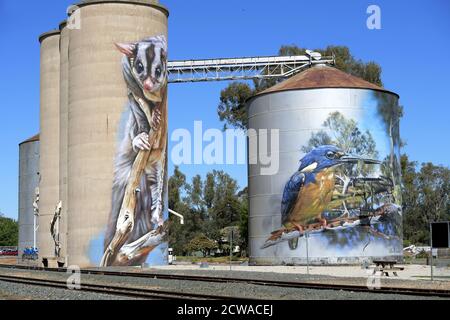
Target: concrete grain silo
[(350, 210), (28, 182), (63, 132), (97, 95), (49, 139)]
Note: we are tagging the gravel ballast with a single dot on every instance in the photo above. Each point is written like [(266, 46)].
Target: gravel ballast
[(239, 290)]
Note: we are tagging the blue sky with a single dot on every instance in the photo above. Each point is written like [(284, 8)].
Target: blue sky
[(412, 48)]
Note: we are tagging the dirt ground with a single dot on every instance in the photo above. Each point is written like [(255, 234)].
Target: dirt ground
[(411, 272), (8, 260)]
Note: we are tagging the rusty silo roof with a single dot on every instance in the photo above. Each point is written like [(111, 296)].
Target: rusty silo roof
[(322, 76), (32, 139)]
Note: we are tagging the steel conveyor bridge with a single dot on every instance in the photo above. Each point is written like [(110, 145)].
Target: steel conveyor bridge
[(181, 71)]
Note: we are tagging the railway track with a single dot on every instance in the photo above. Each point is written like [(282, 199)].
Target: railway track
[(275, 283), (131, 292)]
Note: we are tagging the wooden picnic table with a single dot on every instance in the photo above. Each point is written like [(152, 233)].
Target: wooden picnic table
[(386, 266)]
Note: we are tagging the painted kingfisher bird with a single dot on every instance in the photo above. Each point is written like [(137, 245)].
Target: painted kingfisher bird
[(309, 191)]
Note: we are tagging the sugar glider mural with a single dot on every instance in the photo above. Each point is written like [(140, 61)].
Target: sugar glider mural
[(341, 192), (137, 221)]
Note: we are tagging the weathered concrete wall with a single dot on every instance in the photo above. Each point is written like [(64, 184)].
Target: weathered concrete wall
[(97, 96), (28, 182), (49, 145), (124, 1), (63, 133)]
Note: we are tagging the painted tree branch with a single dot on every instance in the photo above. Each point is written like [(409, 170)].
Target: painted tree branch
[(141, 247), (126, 218)]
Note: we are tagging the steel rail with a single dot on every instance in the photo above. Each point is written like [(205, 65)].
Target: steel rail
[(261, 282), (135, 292)]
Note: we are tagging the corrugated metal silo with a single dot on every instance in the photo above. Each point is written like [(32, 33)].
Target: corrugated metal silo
[(97, 96), (322, 114), (49, 139), (28, 182)]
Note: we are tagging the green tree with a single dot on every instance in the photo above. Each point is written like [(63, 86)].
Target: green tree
[(208, 207), (226, 234), (425, 199), (232, 104), (412, 229), (243, 222), (9, 232), (178, 235), (209, 190), (232, 108), (177, 183), (225, 206), (196, 199), (201, 243), (222, 203)]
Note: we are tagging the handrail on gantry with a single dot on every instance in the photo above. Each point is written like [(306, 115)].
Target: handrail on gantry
[(242, 68)]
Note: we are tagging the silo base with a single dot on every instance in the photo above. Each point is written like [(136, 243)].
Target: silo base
[(53, 262), (325, 261)]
